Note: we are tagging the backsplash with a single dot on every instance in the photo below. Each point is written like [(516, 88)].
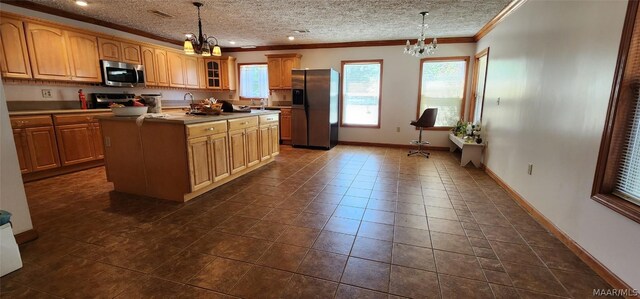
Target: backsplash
[(65, 96)]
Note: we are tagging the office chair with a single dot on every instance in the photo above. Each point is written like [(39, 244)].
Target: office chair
[(427, 120)]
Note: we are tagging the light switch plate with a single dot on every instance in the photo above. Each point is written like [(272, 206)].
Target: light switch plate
[(46, 93)]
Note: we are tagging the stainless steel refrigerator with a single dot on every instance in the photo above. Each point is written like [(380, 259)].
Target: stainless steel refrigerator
[(314, 111)]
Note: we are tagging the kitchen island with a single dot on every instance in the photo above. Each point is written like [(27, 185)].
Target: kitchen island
[(180, 157)]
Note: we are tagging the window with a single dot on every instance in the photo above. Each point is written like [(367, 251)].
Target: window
[(617, 179), (443, 82), (477, 87), (254, 81), (361, 93)]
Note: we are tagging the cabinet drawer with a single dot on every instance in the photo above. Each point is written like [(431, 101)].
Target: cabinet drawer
[(76, 118), (18, 122), (206, 129), (266, 119), (241, 123)]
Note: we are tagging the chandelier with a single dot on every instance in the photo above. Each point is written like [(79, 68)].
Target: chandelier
[(202, 44), (420, 49)]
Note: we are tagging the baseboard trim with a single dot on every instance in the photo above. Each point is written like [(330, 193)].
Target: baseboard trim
[(584, 255), (39, 175), (26, 236), (408, 146)]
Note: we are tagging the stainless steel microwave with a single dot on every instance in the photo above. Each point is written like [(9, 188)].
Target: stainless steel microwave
[(121, 74)]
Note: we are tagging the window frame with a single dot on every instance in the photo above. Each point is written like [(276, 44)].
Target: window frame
[(342, 86), (466, 59), (609, 156), (240, 79), (474, 84)]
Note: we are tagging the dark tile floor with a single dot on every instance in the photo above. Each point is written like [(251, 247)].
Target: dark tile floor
[(353, 222)]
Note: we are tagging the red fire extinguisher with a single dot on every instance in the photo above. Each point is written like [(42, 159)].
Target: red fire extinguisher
[(83, 99)]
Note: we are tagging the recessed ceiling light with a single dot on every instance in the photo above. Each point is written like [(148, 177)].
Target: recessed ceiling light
[(291, 37), (232, 42), (81, 3)]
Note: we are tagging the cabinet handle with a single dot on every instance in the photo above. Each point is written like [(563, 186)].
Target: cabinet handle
[(209, 129), (244, 123), (269, 119)]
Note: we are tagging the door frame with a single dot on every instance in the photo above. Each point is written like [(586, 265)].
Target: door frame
[(474, 84)]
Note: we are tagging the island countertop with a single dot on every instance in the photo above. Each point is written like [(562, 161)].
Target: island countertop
[(181, 118)]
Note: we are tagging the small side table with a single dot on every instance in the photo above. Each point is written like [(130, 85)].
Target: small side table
[(471, 152)]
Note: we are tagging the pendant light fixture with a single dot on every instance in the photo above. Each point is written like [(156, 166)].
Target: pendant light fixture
[(420, 49), (201, 44)]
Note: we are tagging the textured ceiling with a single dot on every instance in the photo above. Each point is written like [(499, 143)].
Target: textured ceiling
[(269, 22)]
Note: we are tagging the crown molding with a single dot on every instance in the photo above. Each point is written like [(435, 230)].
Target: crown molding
[(511, 7)]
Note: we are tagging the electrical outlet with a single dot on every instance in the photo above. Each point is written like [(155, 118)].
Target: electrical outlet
[(46, 93), (530, 169), (398, 129), (230, 96), (498, 101), (107, 141)]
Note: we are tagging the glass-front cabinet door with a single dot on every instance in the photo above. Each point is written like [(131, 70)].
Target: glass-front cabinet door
[(213, 74)]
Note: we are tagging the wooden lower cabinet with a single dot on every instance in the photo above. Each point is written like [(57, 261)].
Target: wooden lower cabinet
[(75, 143), (22, 148), (200, 162), (274, 137), (253, 146), (43, 150), (208, 160), (285, 124), (265, 142), (96, 136), (237, 150)]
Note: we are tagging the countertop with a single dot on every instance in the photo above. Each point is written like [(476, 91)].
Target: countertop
[(61, 111), (181, 118)]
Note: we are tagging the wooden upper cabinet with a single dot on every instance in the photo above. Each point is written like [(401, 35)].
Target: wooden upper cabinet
[(288, 64), (149, 63), (212, 67), (202, 77), (48, 52), (109, 49), (280, 66), (14, 57), (162, 68), (83, 57), (191, 72), (131, 53), (176, 69), (232, 74), (224, 71), (274, 66)]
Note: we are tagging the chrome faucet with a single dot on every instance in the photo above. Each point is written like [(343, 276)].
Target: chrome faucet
[(188, 94)]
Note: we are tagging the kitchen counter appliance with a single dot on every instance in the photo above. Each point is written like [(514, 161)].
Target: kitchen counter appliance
[(121, 74), (102, 100), (314, 111)]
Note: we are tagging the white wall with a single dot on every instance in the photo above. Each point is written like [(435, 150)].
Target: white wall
[(399, 87), (12, 196), (551, 63)]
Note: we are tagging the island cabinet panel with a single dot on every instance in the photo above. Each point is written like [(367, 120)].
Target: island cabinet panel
[(43, 149), (265, 142), (253, 146), (14, 58), (237, 149), (274, 139), (149, 63), (219, 148), (22, 148), (200, 162), (162, 68), (48, 51), (83, 57), (75, 143), (183, 157)]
